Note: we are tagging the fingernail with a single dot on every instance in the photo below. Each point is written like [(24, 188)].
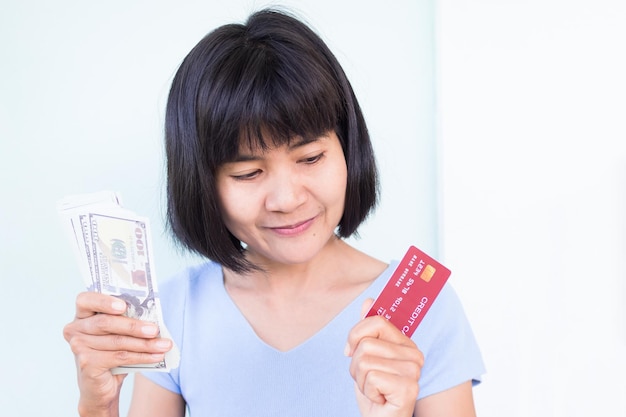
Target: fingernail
[(118, 305), (150, 330), (346, 350), (163, 344)]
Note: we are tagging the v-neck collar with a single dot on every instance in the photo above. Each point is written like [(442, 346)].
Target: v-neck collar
[(352, 308)]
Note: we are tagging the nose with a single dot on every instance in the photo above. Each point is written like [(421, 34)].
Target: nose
[(286, 192)]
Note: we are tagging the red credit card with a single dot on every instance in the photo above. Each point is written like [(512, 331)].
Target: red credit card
[(411, 290)]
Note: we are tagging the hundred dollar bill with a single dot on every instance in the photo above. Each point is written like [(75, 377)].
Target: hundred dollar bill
[(114, 249), (73, 210)]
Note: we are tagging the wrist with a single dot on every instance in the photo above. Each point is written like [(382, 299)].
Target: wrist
[(86, 410)]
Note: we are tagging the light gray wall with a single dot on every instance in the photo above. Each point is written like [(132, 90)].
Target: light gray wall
[(533, 138), (82, 91)]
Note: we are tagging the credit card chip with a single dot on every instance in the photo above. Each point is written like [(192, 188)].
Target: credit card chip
[(428, 273)]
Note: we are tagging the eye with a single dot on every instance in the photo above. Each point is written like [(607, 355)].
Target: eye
[(247, 176), (313, 159)]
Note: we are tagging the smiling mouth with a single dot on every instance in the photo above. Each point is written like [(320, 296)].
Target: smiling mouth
[(293, 229)]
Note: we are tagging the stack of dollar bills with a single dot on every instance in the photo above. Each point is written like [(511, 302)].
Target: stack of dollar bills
[(113, 247)]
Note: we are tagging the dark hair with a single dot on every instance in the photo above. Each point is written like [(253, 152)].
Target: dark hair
[(271, 79)]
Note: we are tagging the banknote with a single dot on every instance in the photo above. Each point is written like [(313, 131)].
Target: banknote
[(114, 250), (73, 211)]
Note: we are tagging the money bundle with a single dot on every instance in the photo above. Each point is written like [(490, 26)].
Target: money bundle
[(113, 247)]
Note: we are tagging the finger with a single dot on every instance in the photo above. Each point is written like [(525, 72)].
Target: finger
[(407, 363), (111, 343), (383, 356), (91, 363), (105, 324), (376, 327), (388, 389), (96, 355), (367, 304), (90, 303)]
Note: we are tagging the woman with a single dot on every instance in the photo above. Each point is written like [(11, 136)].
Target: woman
[(269, 167)]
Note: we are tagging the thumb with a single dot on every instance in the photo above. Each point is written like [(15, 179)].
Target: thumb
[(367, 304), (364, 309)]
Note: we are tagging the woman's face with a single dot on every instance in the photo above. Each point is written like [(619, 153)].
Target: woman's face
[(285, 202)]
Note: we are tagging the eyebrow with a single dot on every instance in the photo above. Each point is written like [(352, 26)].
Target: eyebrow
[(294, 144)]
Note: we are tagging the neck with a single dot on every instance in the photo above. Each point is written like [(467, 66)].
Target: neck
[(337, 265), (322, 271)]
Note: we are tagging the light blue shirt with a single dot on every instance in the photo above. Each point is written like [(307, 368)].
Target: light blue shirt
[(226, 370)]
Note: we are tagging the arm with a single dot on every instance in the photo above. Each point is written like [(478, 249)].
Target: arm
[(150, 399), (102, 338), (457, 401)]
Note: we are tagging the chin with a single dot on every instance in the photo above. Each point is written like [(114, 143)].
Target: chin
[(290, 254)]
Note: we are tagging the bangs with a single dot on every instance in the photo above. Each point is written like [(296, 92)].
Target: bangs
[(266, 96), (287, 101)]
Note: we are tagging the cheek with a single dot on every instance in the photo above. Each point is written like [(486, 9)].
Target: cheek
[(333, 187), (238, 207), (227, 204), (339, 178)]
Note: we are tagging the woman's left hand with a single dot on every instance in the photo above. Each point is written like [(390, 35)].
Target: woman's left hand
[(386, 367)]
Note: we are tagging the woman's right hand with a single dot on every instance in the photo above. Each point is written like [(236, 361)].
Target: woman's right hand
[(101, 338)]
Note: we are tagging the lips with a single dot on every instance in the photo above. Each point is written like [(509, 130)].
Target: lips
[(293, 229)]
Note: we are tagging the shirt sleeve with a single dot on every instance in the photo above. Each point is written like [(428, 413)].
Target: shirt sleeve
[(451, 353), (172, 295)]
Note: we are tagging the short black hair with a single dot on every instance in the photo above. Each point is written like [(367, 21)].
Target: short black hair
[(270, 79)]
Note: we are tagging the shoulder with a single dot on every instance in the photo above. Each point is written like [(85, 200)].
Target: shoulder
[(189, 279), (179, 291), (447, 309)]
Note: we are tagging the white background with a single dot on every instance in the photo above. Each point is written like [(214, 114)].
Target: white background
[(82, 91), (532, 105)]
